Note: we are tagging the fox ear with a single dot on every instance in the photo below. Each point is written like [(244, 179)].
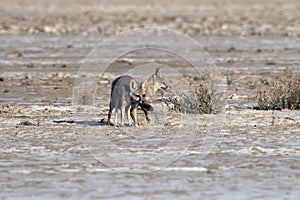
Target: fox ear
[(133, 85), (144, 84), (153, 77), (157, 72)]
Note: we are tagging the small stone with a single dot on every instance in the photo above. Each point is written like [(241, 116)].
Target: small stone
[(26, 123), (231, 49), (60, 75), (30, 65)]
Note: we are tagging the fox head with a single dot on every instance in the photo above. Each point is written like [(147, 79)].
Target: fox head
[(150, 86), (158, 82)]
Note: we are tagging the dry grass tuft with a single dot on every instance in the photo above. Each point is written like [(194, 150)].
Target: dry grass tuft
[(283, 93), (197, 101)]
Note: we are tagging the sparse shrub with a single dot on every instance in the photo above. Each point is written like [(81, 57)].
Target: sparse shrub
[(196, 101), (283, 93)]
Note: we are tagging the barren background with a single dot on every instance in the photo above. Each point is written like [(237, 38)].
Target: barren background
[(221, 18), (42, 156)]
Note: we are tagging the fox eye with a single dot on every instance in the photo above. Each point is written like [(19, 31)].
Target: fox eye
[(144, 95), (136, 95)]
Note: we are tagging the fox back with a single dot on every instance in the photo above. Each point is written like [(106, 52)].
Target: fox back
[(121, 91)]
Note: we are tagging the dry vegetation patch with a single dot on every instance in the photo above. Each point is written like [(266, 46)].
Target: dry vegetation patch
[(197, 101), (283, 93)]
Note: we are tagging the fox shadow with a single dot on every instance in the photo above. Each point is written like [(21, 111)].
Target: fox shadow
[(102, 122)]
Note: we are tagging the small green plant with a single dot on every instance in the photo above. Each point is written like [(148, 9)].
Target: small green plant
[(283, 93)]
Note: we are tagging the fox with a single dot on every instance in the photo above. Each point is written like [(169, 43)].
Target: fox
[(149, 88), (127, 95), (122, 98)]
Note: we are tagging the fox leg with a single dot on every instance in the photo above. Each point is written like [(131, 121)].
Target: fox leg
[(133, 115), (127, 110), (146, 115), (123, 108), (116, 118), (109, 117), (109, 114)]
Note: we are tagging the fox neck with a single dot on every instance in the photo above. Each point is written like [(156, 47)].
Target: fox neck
[(152, 88)]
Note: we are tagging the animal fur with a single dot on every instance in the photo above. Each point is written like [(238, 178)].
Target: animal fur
[(127, 96)]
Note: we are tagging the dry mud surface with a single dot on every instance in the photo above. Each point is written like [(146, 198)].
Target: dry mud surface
[(51, 150)]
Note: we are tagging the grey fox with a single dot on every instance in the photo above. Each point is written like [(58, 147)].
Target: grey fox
[(127, 95), (122, 98)]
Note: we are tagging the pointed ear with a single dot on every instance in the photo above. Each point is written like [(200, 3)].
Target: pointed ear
[(151, 78), (157, 72), (132, 85), (144, 84)]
